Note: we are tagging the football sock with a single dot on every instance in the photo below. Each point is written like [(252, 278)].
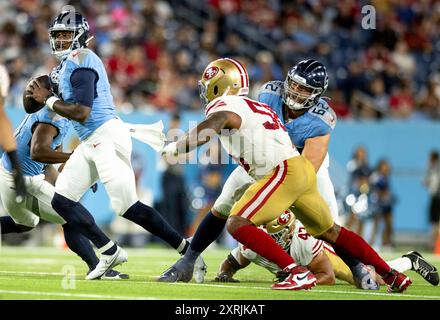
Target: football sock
[(207, 232), (80, 219), (351, 262), (109, 249), (401, 264), (356, 247), (151, 220), (183, 247), (8, 225), (260, 242), (80, 245)]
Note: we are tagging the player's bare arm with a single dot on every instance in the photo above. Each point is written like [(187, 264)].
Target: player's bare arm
[(214, 123), (230, 266), (315, 150), (322, 269), (73, 111), (41, 145), (7, 141)]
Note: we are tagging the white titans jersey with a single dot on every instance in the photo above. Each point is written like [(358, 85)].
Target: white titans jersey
[(262, 141), (303, 249)]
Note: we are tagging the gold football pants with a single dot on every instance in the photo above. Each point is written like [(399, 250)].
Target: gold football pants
[(291, 183)]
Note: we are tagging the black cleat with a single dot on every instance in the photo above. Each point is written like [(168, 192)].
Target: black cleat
[(115, 275), (180, 271), (423, 267)]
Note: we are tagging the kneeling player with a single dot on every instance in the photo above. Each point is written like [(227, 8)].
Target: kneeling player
[(318, 256)]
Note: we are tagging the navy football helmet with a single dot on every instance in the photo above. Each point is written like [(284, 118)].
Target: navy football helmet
[(68, 21), (304, 84)]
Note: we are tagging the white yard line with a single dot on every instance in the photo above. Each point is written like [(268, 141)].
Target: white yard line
[(76, 295), (363, 292)]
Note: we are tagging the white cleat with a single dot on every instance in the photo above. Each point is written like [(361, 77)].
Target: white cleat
[(107, 262), (200, 268)]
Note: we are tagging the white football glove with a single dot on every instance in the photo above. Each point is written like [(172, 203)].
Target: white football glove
[(170, 150)]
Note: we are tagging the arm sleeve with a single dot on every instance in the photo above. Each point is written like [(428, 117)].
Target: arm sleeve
[(84, 86)]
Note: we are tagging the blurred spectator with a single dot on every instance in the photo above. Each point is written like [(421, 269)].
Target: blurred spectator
[(127, 232), (432, 183), (358, 200), (382, 201), (156, 49), (174, 205)]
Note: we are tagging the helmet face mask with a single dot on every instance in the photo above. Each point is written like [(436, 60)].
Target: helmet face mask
[(223, 77), (282, 228), (73, 23), (297, 95), (304, 85)]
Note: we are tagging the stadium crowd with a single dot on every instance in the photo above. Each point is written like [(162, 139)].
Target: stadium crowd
[(155, 50)]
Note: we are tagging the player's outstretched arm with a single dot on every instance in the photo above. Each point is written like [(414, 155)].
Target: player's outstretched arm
[(322, 269), (41, 145), (204, 132), (7, 141), (315, 150)]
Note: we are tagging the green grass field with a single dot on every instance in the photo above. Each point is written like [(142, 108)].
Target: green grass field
[(49, 273)]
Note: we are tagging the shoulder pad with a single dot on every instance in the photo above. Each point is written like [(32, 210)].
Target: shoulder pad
[(324, 112), (272, 87), (78, 56)]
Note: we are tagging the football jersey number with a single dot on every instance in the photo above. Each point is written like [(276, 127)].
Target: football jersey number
[(302, 233), (257, 108)]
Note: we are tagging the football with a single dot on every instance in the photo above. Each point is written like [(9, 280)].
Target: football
[(30, 104)]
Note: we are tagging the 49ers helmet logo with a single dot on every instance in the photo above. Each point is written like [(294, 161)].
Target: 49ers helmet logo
[(210, 72), (284, 218)]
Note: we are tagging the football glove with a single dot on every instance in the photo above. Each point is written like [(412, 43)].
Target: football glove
[(20, 188), (170, 150)]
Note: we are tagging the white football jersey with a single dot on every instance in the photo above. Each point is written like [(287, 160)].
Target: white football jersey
[(262, 142), (303, 248)]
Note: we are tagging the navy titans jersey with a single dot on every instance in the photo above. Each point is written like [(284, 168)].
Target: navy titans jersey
[(318, 121), (23, 135), (102, 108)]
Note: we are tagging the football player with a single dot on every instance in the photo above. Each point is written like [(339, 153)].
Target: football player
[(39, 136), (318, 256), (309, 120), (282, 178), (105, 149), (7, 142)]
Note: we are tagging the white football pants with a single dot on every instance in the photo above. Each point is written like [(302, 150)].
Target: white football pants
[(37, 203), (104, 155)]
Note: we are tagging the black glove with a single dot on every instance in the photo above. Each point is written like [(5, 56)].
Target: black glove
[(20, 188)]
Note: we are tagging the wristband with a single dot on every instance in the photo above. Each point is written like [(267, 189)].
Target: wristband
[(50, 101)]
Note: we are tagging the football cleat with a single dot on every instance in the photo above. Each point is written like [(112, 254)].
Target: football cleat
[(200, 269), (423, 267), (180, 271), (299, 278), (364, 277), (107, 262), (115, 275), (398, 282)]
